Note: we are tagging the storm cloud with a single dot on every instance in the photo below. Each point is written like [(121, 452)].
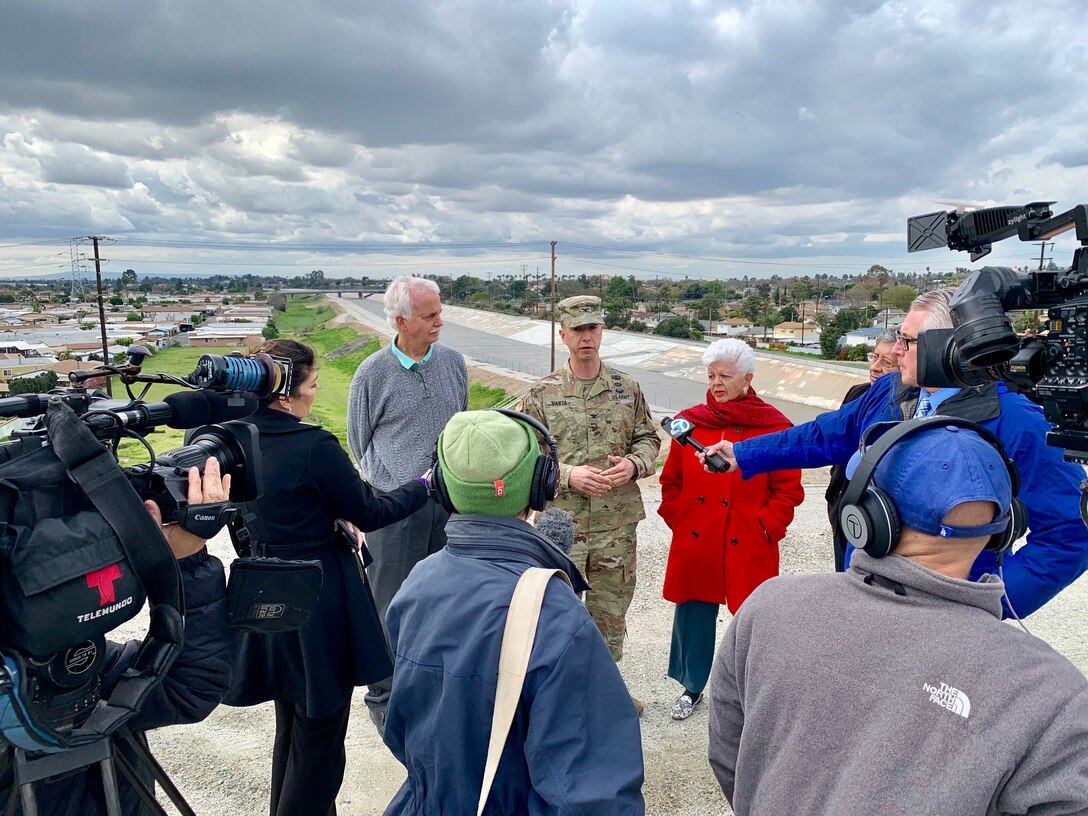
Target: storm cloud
[(793, 130)]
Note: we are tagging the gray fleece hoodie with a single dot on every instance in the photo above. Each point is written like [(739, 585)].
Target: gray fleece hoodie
[(835, 694)]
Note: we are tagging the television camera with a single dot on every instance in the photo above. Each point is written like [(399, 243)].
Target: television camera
[(79, 553), (1051, 367)]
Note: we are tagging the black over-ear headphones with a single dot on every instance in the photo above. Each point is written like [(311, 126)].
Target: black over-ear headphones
[(868, 516), (545, 484)]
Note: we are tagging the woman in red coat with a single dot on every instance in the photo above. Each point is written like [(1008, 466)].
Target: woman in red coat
[(725, 529)]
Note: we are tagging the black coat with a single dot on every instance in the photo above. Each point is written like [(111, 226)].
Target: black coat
[(309, 482), (836, 487), (191, 689)]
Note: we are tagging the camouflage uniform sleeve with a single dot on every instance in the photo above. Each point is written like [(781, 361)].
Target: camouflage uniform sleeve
[(645, 443), (533, 405)]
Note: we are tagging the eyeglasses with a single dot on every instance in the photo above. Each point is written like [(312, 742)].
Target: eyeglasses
[(904, 340), (884, 361)]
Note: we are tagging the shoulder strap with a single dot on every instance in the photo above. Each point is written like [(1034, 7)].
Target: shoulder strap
[(247, 531), (517, 645), (94, 469)]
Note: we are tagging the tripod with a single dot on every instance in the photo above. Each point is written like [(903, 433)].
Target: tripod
[(107, 755)]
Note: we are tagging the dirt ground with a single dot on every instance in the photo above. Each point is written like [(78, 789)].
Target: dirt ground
[(222, 765)]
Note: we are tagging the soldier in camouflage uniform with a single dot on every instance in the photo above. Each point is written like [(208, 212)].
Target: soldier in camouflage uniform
[(606, 441)]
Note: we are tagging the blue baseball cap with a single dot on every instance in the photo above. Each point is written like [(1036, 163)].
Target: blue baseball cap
[(929, 473)]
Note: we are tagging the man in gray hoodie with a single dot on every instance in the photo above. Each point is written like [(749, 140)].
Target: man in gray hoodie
[(895, 687)]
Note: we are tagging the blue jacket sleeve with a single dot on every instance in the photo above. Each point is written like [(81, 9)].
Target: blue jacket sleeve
[(1056, 551), (201, 675), (583, 747), (829, 439)]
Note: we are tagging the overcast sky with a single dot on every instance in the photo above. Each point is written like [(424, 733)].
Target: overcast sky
[(750, 137)]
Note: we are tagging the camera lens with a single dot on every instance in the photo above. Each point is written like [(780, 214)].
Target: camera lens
[(983, 332)]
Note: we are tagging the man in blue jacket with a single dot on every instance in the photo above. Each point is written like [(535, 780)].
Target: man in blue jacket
[(574, 748), (1056, 552)]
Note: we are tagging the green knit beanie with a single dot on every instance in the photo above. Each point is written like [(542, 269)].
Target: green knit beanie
[(487, 462)]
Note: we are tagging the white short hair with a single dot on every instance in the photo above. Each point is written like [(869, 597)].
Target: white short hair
[(735, 352), (934, 305), (398, 296)]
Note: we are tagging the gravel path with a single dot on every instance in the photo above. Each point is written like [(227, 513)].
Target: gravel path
[(222, 765)]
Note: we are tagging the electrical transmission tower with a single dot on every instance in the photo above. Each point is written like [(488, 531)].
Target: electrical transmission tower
[(79, 292)]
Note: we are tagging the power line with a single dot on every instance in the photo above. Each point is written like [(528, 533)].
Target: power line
[(352, 265), (332, 247), (42, 242)]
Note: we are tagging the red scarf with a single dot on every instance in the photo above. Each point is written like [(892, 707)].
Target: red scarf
[(747, 410)]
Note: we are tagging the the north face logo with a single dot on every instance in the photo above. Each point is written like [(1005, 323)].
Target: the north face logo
[(102, 580), (949, 697)]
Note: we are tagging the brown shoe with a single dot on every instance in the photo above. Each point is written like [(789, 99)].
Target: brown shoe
[(639, 708)]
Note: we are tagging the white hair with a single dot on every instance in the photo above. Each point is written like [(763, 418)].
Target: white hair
[(398, 296), (735, 352), (935, 307)]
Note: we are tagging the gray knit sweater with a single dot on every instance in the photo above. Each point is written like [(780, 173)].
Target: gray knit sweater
[(834, 696), (396, 414)]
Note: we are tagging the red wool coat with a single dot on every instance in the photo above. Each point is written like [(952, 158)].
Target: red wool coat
[(725, 529)]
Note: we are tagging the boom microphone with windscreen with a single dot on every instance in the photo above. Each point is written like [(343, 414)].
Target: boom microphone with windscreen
[(557, 526)]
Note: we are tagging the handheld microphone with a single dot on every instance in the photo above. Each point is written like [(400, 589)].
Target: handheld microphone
[(680, 429)]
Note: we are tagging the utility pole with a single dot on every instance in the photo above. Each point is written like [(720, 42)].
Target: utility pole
[(1042, 258), (101, 311), (553, 306), (802, 324), (524, 284), (1042, 253)]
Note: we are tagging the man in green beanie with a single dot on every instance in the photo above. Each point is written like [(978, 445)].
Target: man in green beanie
[(574, 747)]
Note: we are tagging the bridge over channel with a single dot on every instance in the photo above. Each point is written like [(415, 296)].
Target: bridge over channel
[(359, 291)]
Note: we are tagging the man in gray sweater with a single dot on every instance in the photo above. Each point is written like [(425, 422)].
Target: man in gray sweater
[(400, 400), (895, 687)]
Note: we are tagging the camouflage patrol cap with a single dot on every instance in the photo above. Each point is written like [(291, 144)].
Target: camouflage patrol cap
[(581, 310)]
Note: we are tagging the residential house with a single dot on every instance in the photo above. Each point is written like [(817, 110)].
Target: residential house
[(862, 337), (792, 331), (238, 334), (889, 318), (733, 327)]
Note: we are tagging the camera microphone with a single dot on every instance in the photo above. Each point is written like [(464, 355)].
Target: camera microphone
[(29, 405), (182, 410), (225, 407), (681, 429)]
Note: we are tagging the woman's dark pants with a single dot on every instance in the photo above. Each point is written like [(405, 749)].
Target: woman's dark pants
[(308, 760)]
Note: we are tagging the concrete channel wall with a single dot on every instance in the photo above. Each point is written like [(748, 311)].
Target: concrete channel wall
[(809, 383)]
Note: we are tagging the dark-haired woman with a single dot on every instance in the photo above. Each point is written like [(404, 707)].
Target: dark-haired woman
[(309, 482)]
